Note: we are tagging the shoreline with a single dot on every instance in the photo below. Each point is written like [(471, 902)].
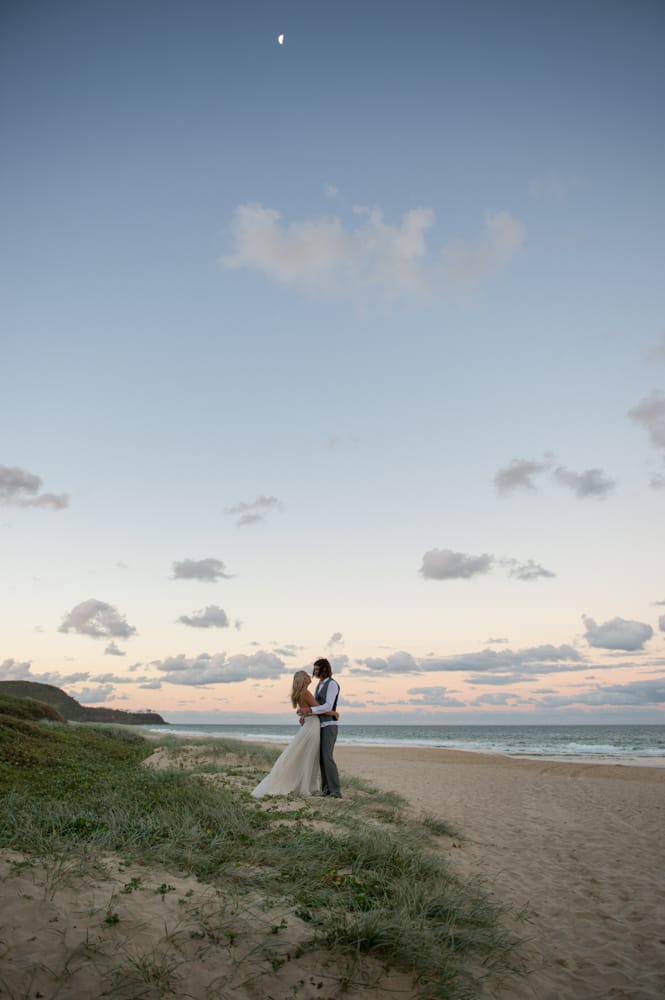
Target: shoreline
[(607, 760)]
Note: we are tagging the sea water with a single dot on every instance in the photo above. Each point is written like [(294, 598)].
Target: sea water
[(634, 744)]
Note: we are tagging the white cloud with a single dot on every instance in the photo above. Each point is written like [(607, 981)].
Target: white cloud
[(649, 692), (657, 353), (618, 633), (527, 662), (465, 266), (444, 564), (650, 412), (20, 488), (14, 670), (339, 663), (529, 570), (434, 696), (211, 617), (220, 669), (553, 187), (91, 696), (252, 512), (321, 255), (209, 570), (518, 475), (396, 663), (496, 698), (113, 650), (591, 483), (97, 619)]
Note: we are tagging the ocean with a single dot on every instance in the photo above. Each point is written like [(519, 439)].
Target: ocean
[(644, 745)]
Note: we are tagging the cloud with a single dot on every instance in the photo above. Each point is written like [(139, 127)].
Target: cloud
[(495, 642), (396, 663), (531, 660), (502, 680), (657, 353), (618, 633), (444, 564), (209, 570), (518, 475), (335, 639), (253, 512), (553, 187), (14, 670), (504, 235), (496, 698), (220, 669), (91, 696), (322, 256), (19, 488), (113, 650), (649, 692), (529, 570), (661, 623), (657, 481), (339, 442), (591, 483), (339, 662), (97, 619), (650, 412), (211, 617), (434, 696)]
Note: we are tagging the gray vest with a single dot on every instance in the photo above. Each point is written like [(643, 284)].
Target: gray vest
[(322, 691)]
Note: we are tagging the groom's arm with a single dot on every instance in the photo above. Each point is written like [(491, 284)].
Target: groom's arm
[(327, 707)]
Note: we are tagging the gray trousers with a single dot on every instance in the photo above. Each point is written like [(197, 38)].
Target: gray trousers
[(329, 774)]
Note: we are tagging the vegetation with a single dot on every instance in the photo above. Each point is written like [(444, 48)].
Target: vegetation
[(27, 708), (360, 877), (71, 710)]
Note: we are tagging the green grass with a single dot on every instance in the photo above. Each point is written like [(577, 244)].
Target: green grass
[(363, 876)]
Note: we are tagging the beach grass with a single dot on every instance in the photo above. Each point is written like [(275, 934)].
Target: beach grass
[(361, 878)]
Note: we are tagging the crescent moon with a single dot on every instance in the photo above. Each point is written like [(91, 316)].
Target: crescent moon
[(280, 39)]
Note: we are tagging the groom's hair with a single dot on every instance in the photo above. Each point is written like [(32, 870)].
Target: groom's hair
[(322, 668)]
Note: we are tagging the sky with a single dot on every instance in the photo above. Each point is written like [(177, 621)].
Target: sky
[(351, 346)]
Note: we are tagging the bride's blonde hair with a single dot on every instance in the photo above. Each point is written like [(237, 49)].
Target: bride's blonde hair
[(299, 684)]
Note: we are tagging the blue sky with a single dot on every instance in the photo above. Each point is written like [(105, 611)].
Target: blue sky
[(353, 346)]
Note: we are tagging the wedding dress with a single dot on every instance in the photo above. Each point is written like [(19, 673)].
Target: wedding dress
[(297, 767)]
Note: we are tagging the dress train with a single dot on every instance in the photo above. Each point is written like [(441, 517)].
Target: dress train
[(297, 767)]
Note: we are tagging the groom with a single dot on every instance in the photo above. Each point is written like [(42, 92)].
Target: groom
[(326, 694)]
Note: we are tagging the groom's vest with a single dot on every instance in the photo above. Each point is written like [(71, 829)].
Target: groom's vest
[(322, 691)]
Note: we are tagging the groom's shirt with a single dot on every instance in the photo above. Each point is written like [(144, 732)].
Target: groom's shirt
[(331, 694)]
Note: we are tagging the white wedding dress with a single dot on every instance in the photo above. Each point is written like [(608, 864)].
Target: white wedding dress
[(297, 767)]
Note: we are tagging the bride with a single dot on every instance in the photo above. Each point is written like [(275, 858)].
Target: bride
[(297, 767)]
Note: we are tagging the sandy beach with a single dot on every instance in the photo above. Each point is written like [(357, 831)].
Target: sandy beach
[(582, 847)]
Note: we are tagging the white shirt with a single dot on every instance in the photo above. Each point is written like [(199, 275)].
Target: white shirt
[(331, 694)]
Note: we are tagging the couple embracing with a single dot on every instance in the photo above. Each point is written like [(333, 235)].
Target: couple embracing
[(310, 753)]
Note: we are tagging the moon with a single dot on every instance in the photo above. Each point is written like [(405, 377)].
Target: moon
[(280, 39)]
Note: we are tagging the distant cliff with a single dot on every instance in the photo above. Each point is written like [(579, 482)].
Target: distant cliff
[(71, 710)]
